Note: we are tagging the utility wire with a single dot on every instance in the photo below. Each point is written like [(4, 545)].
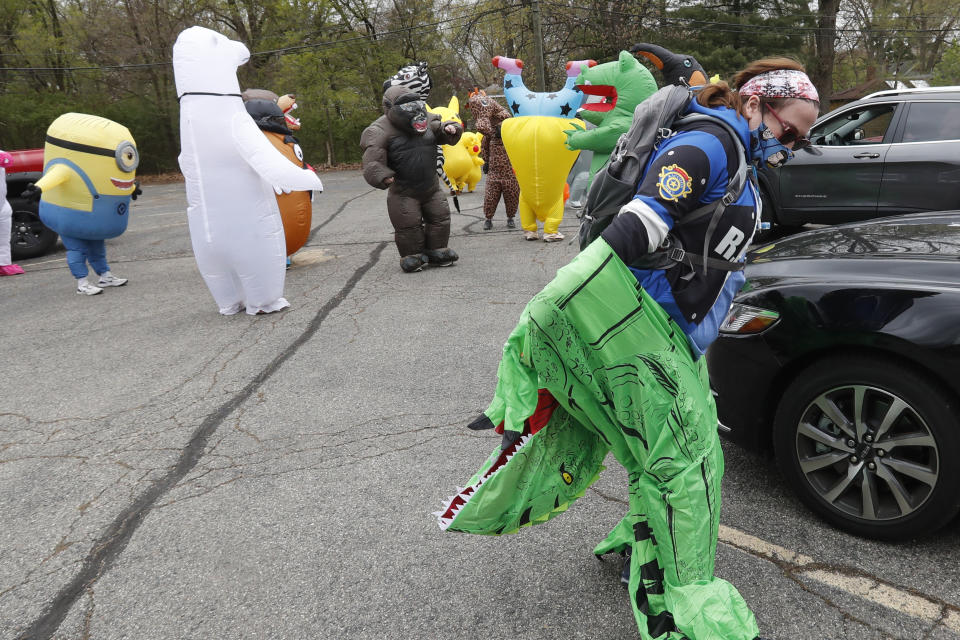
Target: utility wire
[(713, 25), (384, 35), (747, 28)]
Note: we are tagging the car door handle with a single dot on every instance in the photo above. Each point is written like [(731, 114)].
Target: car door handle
[(867, 154)]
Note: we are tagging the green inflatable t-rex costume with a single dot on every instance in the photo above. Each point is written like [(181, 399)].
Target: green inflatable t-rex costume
[(596, 365), (624, 83)]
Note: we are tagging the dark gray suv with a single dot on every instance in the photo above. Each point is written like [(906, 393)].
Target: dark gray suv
[(891, 152)]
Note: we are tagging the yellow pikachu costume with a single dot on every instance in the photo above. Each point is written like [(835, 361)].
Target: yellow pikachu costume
[(456, 160), (473, 143)]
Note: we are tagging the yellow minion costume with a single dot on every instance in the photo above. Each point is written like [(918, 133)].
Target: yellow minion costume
[(88, 180)]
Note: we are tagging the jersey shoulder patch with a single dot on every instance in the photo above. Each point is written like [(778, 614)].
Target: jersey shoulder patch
[(674, 183)]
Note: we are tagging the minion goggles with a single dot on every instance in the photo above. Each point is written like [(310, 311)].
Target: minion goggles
[(125, 153)]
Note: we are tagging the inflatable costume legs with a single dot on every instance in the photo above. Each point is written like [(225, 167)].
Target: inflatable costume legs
[(80, 251), (613, 359), (494, 189), (250, 281), (421, 222), (551, 221)]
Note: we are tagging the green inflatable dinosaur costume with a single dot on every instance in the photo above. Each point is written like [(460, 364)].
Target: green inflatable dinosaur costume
[(624, 83), (596, 365)]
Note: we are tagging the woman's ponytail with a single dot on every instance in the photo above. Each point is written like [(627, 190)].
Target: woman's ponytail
[(719, 94)]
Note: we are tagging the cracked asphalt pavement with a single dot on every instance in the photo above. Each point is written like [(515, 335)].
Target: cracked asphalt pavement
[(168, 473)]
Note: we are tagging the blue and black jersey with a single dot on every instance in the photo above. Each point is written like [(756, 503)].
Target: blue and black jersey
[(688, 170)]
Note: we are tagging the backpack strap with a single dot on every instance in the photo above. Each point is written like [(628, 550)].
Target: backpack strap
[(676, 254), (735, 187), (672, 253)]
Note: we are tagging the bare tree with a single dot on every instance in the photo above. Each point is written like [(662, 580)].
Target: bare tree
[(825, 39)]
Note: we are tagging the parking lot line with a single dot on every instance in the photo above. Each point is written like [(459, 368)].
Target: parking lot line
[(952, 620), (879, 593), (755, 546), (866, 587), (33, 264)]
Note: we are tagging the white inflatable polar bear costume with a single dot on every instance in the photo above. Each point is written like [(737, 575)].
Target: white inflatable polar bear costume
[(231, 173)]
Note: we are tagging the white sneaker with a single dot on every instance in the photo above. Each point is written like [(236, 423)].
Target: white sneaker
[(553, 237), (87, 289), (107, 279), (530, 235)]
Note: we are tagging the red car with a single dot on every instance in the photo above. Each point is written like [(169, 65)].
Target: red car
[(29, 237)]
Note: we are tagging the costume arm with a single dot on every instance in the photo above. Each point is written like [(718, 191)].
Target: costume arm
[(373, 141), (491, 118), (57, 174), (439, 129), (500, 113), (594, 139), (272, 166), (593, 117), (484, 125)]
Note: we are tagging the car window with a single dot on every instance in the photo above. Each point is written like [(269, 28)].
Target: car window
[(864, 126), (931, 121)]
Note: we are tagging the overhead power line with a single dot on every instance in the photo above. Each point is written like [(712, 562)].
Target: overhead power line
[(444, 25), (744, 27), (382, 35)]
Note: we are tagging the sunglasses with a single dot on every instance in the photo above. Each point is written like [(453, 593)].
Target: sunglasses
[(790, 132)]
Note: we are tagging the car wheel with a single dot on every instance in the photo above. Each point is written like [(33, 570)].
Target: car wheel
[(29, 238), (872, 447)]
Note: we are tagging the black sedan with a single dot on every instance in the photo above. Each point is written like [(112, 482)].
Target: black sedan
[(843, 353)]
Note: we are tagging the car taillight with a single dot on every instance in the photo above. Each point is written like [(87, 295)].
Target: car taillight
[(745, 320)]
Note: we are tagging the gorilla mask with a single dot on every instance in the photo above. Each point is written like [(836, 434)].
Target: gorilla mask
[(409, 112)]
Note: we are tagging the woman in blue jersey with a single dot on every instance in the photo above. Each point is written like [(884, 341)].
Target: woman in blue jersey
[(616, 339), (772, 111), (772, 106)]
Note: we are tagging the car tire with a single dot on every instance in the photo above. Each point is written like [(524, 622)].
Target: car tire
[(29, 237), (895, 476)]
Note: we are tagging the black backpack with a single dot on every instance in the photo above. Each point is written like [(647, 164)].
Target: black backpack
[(655, 119)]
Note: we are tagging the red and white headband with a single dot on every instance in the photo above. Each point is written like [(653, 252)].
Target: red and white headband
[(780, 83)]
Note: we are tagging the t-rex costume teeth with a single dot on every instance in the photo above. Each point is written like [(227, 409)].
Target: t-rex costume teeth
[(532, 480)]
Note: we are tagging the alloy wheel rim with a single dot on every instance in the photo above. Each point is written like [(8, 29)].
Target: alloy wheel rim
[(867, 452), (25, 229)]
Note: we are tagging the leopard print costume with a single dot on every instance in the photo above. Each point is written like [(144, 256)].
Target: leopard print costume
[(488, 114)]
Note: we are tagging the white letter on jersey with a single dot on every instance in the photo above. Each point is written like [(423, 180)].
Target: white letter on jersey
[(728, 246)]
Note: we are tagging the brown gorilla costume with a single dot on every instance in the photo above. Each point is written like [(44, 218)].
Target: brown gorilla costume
[(488, 115), (402, 145)]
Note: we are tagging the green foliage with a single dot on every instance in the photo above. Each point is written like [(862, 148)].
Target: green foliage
[(335, 54), (724, 38), (947, 71)]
